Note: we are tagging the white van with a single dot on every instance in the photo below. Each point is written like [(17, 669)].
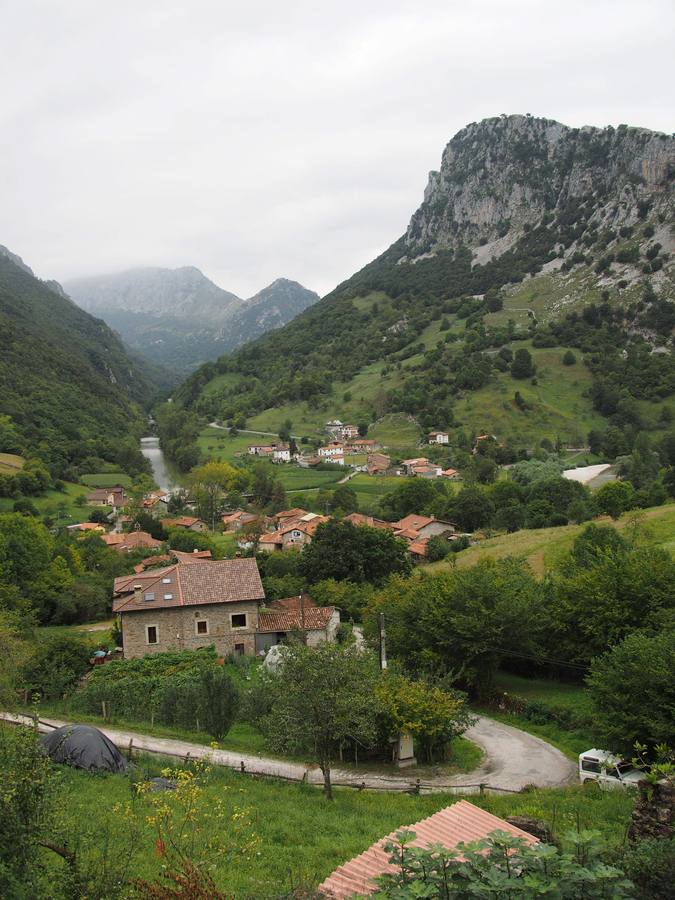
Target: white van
[(608, 770)]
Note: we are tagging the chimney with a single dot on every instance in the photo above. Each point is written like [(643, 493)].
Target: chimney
[(195, 550), (138, 592)]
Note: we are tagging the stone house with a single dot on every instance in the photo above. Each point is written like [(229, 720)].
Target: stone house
[(114, 496), (296, 614), (185, 607), (189, 523), (378, 463)]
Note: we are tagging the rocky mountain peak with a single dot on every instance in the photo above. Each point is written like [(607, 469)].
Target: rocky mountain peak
[(504, 175)]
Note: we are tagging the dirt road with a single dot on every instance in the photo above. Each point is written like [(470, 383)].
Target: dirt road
[(512, 760)]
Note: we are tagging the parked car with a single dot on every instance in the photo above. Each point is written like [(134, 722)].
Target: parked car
[(608, 770)]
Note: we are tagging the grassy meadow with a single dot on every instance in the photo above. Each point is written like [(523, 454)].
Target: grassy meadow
[(276, 835), (62, 506), (10, 463), (106, 479), (543, 547)]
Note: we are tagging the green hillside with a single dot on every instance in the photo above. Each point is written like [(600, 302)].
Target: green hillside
[(429, 329), (66, 381)]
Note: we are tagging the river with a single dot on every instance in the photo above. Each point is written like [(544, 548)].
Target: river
[(161, 472)]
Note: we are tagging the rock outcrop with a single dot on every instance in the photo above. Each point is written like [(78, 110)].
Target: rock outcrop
[(502, 176)]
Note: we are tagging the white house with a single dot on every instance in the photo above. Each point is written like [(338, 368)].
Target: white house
[(439, 437), (281, 453), (331, 451)]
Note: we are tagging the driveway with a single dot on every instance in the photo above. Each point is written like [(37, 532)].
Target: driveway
[(513, 759)]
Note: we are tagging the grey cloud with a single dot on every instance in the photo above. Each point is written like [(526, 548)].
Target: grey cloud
[(262, 139)]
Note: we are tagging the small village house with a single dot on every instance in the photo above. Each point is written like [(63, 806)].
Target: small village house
[(281, 453), (115, 497), (439, 437), (155, 506), (293, 615), (331, 450), (428, 471), (184, 607), (188, 523), (238, 519), (409, 465), (132, 540), (378, 463)]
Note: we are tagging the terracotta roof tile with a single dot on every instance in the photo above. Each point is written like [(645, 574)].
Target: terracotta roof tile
[(315, 618), (461, 823), (212, 581), (414, 522)]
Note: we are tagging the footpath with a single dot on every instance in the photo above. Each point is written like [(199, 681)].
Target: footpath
[(513, 760)]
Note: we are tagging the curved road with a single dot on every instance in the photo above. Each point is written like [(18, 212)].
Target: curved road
[(513, 759)]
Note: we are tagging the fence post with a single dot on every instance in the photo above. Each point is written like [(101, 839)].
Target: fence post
[(481, 788), (243, 767), (131, 746)]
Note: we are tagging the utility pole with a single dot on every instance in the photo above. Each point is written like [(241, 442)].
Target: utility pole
[(383, 649)]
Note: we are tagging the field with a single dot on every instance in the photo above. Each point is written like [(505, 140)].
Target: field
[(543, 547), (299, 837), (10, 464), (106, 479), (397, 433), (371, 488), (62, 506)]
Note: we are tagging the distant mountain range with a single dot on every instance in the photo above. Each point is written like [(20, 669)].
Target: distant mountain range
[(179, 319)]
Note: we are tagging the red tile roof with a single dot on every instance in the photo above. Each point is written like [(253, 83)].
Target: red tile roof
[(180, 522), (212, 581), (461, 823), (130, 541), (177, 555), (418, 548), (295, 513), (360, 519), (414, 522), (313, 618)]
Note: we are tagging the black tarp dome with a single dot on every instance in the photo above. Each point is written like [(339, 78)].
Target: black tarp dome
[(83, 747)]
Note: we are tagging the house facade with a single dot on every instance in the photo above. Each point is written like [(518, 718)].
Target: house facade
[(296, 614), (185, 607), (189, 523), (439, 437), (115, 497)]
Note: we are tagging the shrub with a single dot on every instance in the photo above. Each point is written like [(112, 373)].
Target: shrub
[(569, 359)]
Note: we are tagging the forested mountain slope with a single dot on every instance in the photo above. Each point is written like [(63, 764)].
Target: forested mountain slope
[(532, 237), (66, 380), (178, 318)]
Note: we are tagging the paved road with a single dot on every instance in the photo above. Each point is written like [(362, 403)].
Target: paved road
[(248, 431), (512, 760)]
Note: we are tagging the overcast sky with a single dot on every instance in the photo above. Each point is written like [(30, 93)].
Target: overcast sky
[(282, 138)]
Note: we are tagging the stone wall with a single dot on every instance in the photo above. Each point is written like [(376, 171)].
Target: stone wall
[(176, 629), (654, 812)]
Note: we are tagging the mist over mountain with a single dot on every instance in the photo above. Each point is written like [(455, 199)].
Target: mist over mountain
[(178, 318)]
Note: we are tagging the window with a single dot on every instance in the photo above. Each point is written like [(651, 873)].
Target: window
[(166, 581), (590, 765), (239, 649), (150, 596), (238, 620), (152, 634), (168, 596), (202, 626)]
